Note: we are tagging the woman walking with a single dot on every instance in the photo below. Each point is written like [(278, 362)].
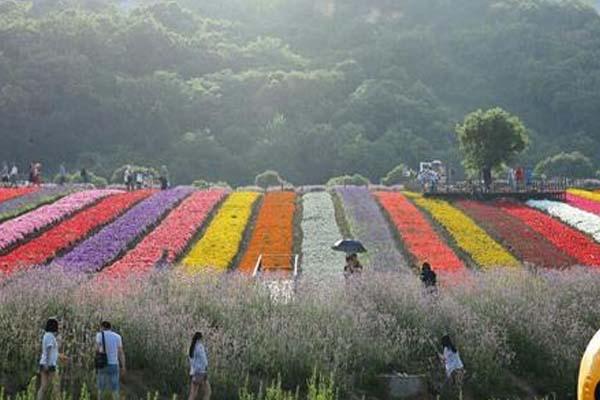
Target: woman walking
[(49, 358), (455, 369), (198, 369)]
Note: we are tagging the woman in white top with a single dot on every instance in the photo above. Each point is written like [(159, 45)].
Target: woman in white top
[(198, 369), (49, 358), (455, 369)]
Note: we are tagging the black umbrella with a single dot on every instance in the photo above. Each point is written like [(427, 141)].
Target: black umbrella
[(349, 246)]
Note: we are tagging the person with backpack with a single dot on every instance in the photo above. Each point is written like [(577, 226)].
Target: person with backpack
[(110, 360), (198, 369)]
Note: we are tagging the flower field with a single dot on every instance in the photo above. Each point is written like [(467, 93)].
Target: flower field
[(586, 194), (45, 247), (222, 240), (173, 234), (20, 228), (370, 227), (417, 234), (320, 230), (30, 201), (527, 244), (484, 250), (11, 193), (583, 203), (582, 220), (273, 234)]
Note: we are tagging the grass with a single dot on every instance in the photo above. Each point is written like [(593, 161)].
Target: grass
[(534, 326)]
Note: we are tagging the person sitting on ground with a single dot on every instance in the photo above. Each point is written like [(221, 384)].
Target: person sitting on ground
[(353, 266), (428, 277), (198, 369), (49, 358), (455, 369)]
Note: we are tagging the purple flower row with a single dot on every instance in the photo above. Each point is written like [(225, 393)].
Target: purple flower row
[(29, 201), (114, 239), (369, 226), (15, 230)]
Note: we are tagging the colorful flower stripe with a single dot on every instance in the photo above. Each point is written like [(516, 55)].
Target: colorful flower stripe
[(114, 239), (527, 244), (22, 204), (320, 231), (419, 237), (570, 241), (42, 249), (586, 194), (368, 225), (11, 193), (221, 241), (15, 230), (273, 234), (484, 250), (583, 203), (582, 220), (173, 234)]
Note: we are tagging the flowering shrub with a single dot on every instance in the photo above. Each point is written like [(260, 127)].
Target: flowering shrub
[(67, 233), (222, 239), (20, 228), (116, 238), (418, 235), (11, 193), (570, 241), (173, 234), (273, 234), (370, 227), (32, 200), (527, 244), (583, 203), (582, 220), (320, 231), (484, 250)]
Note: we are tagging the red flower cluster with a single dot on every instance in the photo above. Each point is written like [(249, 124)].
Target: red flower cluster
[(173, 234), (572, 242), (522, 240), (66, 234), (418, 235), (11, 193)]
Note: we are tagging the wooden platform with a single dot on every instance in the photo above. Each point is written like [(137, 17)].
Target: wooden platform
[(559, 195)]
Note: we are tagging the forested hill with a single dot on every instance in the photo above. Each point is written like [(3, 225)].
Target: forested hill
[(224, 89)]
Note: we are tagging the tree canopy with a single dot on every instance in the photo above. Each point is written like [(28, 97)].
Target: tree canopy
[(566, 165), (311, 88)]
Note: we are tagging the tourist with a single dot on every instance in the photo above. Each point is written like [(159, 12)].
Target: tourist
[(519, 177), (14, 175), (428, 277), (510, 177), (62, 175), (5, 174), (85, 178), (139, 180), (198, 369), (163, 262), (49, 358), (455, 370), (110, 344), (487, 179), (164, 178), (353, 265)]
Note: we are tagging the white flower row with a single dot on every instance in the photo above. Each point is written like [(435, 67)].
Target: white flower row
[(320, 232), (582, 220)]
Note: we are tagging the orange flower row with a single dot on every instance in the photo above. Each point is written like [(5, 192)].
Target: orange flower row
[(273, 235)]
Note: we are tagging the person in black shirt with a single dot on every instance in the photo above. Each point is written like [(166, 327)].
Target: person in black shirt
[(428, 277)]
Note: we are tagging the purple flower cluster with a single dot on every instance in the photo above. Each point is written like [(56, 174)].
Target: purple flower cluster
[(114, 239), (29, 201), (370, 227)]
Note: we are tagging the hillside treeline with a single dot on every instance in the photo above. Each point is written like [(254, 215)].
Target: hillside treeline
[(222, 90)]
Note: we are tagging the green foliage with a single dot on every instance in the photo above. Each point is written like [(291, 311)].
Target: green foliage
[(96, 180), (268, 178), (490, 138), (349, 180), (397, 176), (566, 165), (119, 173)]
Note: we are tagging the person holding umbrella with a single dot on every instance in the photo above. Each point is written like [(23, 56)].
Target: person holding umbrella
[(353, 266), (351, 248)]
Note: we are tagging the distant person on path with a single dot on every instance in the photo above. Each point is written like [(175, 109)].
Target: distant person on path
[(198, 369), (85, 177), (128, 178), (353, 266), (510, 177), (109, 376), (164, 178), (519, 177), (487, 179), (428, 277), (4, 174), (62, 175), (14, 175), (49, 358), (139, 180), (455, 369)]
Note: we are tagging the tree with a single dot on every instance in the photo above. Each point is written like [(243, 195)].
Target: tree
[(400, 174), (268, 178), (489, 139), (566, 165)]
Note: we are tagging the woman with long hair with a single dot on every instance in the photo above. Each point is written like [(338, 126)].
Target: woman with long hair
[(455, 369), (49, 357), (198, 369)]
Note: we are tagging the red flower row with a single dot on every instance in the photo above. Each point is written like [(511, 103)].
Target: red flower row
[(518, 237), (572, 242), (418, 235), (66, 234), (173, 234), (11, 193)]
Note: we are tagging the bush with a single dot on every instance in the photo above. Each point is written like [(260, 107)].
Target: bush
[(96, 180), (566, 165), (202, 184), (399, 175), (349, 180), (118, 174), (268, 178)]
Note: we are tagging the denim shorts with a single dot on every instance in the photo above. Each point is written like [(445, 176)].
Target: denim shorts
[(108, 378)]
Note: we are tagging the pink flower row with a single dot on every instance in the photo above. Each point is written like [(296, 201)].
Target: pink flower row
[(18, 229)]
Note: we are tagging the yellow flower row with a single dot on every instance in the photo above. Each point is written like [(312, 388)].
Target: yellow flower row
[(484, 250), (221, 241), (586, 194)]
